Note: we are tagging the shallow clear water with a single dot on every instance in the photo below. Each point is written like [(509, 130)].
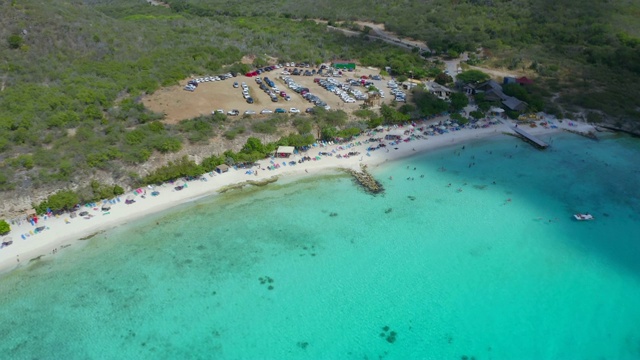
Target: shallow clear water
[(425, 271)]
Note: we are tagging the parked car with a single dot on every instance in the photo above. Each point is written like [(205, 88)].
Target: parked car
[(250, 100), (281, 111), (190, 87), (249, 112), (266, 111), (294, 111), (233, 112), (235, 84), (309, 111)]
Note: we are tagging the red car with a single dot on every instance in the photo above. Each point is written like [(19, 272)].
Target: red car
[(283, 94)]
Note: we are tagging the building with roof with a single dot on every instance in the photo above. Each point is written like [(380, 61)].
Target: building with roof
[(284, 151), (493, 92), (344, 64), (438, 90)]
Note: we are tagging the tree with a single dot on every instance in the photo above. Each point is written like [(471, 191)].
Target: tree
[(457, 117), (429, 104), (118, 190), (476, 114), (62, 200), (473, 76), (443, 79), (458, 101), (5, 228), (253, 144)]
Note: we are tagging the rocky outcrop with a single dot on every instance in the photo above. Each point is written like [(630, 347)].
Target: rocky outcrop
[(366, 180)]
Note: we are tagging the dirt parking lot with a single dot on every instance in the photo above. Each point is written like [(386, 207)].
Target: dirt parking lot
[(178, 104)]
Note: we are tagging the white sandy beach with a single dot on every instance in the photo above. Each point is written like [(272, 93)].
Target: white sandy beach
[(63, 231)]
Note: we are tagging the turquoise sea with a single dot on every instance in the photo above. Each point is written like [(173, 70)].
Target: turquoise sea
[(491, 267)]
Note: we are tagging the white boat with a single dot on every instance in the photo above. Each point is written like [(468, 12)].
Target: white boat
[(582, 217)]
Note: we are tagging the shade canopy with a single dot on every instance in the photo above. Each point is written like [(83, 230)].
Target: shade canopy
[(285, 149)]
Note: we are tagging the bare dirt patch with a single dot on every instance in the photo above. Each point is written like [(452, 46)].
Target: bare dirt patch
[(178, 104)]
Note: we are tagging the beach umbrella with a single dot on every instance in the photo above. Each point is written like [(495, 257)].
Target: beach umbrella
[(180, 183), (106, 207), (7, 239), (379, 127), (443, 128), (130, 197), (447, 122)]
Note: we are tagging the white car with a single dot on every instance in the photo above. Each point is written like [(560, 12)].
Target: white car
[(219, 111), (249, 112), (266, 111), (294, 111)]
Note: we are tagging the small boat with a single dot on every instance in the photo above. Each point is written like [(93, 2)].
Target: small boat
[(582, 217)]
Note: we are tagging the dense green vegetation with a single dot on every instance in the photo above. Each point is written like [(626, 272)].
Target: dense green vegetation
[(72, 71), (586, 52), (5, 228)]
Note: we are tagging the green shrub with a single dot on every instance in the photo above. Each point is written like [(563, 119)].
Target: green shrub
[(15, 41), (5, 228)]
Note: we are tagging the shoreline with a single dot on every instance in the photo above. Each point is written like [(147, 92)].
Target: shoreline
[(62, 232)]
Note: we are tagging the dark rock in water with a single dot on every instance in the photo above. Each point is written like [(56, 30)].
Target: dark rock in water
[(333, 214), (270, 287), (412, 198), (388, 210), (391, 339), (303, 344), (269, 280), (382, 334), (386, 328)]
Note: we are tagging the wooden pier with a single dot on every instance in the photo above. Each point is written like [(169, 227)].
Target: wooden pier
[(530, 138)]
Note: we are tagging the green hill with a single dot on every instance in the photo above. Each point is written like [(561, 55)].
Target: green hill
[(72, 71)]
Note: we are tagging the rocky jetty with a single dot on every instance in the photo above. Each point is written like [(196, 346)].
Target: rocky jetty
[(366, 180), (588, 134)]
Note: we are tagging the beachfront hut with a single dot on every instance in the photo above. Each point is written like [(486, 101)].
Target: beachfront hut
[(106, 207), (223, 168), (284, 151), (496, 111)]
